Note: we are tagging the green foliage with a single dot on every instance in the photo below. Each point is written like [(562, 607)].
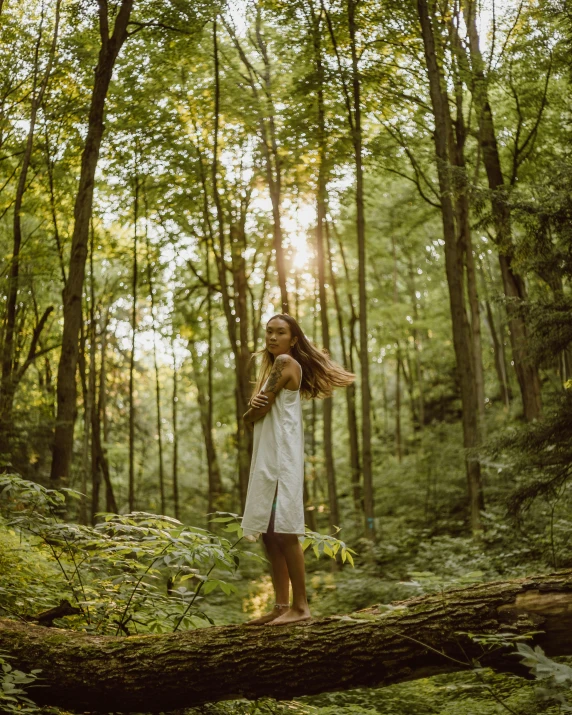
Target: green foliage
[(554, 679), (328, 545), (13, 698), (129, 573)]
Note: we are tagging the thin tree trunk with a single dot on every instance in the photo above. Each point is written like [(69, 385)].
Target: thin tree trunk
[(273, 165), (416, 345), (268, 141), (215, 482), (457, 152), (174, 407), (72, 314), (514, 286), (89, 394), (7, 382), (398, 364), (131, 488), (454, 269), (408, 375), (215, 485), (398, 449), (100, 465), (327, 404), (362, 285), (498, 350), (350, 391), (155, 365), (236, 312)]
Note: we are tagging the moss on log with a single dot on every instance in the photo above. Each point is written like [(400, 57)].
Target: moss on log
[(378, 646)]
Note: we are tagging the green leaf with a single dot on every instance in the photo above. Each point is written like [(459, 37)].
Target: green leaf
[(210, 586)]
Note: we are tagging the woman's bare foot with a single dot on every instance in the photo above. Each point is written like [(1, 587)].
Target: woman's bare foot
[(267, 617), (292, 615)]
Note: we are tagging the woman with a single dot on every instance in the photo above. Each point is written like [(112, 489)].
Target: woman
[(291, 367)]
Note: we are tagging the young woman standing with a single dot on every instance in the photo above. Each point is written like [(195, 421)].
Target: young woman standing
[(291, 367)]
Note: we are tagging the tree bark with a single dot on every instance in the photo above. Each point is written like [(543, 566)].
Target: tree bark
[(204, 398), (235, 303), (131, 485), (462, 338), (8, 383), (378, 646), (417, 345), (99, 462), (268, 143), (66, 384), (514, 286), (327, 403), (368, 496), (155, 363), (458, 137), (398, 359), (174, 416), (350, 391)]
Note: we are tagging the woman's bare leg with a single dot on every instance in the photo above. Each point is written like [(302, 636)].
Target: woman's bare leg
[(294, 558), (278, 572)]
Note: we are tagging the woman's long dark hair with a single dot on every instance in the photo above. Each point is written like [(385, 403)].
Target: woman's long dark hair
[(320, 374)]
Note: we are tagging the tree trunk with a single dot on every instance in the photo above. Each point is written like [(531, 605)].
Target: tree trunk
[(235, 304), (514, 286), (462, 339), (131, 487), (174, 407), (327, 404), (457, 141), (350, 390), (398, 371), (500, 367), (66, 385), (7, 382), (398, 359), (416, 345), (91, 384), (155, 365), (204, 400), (378, 646), (242, 353), (368, 496), (99, 463), (273, 164)]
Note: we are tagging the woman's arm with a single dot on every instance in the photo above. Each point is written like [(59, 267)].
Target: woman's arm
[(282, 371)]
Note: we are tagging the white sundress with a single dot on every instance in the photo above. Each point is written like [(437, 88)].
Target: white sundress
[(277, 467)]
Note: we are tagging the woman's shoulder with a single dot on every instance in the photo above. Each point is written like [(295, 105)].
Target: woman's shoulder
[(287, 361), (292, 362)]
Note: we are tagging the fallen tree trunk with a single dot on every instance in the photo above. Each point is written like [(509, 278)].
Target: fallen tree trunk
[(378, 646)]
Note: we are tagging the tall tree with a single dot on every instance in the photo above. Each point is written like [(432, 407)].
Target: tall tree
[(513, 283), (72, 303), (352, 100), (134, 287), (454, 262), (321, 205), (10, 375), (261, 85)]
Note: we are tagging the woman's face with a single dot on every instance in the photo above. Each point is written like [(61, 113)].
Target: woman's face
[(279, 339)]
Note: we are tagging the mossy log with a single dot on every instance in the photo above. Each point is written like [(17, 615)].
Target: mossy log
[(377, 646)]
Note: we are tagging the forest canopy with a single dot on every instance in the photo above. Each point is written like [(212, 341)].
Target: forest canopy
[(394, 175)]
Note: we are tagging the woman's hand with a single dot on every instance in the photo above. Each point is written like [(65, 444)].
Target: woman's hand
[(259, 400)]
